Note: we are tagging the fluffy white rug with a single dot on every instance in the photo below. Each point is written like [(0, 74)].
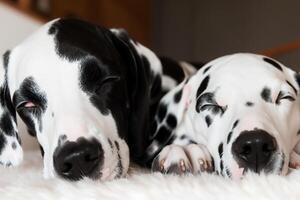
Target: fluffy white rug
[(26, 182)]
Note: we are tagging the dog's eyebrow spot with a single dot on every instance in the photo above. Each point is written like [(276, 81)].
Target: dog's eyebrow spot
[(292, 87), (249, 103), (208, 120), (229, 137), (203, 86), (171, 121), (177, 96), (220, 149), (206, 69), (298, 132), (273, 63), (266, 94), (162, 111)]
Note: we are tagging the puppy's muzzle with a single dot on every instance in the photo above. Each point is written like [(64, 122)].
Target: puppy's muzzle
[(254, 149), (75, 160)]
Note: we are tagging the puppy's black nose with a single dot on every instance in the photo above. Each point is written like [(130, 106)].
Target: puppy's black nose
[(75, 160), (254, 149)]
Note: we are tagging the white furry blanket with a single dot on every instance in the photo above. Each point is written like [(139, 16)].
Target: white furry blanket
[(26, 182)]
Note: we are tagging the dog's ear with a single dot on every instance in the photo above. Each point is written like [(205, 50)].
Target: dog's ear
[(11, 152), (138, 82)]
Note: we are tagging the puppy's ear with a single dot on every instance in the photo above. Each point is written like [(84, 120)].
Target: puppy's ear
[(10, 144)]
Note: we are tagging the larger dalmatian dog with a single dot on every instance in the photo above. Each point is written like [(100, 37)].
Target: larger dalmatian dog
[(239, 113), (87, 93)]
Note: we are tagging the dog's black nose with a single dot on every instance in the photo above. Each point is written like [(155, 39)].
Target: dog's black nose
[(75, 160), (254, 149)]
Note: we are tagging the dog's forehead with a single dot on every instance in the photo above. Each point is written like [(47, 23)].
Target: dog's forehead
[(246, 73)]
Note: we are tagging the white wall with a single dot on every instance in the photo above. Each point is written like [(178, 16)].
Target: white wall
[(14, 28)]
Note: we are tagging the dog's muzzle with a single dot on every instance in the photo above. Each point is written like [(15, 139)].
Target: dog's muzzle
[(82, 158), (253, 150)]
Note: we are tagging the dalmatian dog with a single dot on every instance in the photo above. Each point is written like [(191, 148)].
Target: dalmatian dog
[(87, 93), (238, 113)]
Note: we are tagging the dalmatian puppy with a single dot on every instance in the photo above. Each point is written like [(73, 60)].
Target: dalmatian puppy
[(238, 113), (87, 93)]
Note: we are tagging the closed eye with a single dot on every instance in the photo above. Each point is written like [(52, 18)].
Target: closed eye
[(101, 84), (284, 96), (213, 108), (28, 106)]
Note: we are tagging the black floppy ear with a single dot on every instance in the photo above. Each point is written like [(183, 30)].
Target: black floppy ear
[(138, 87)]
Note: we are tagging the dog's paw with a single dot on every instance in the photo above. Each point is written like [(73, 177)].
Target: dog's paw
[(174, 159), (200, 158), (294, 160)]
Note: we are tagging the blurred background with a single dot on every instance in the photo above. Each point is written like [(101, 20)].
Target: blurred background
[(193, 30)]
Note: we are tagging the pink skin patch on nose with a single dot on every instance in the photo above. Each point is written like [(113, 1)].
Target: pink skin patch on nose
[(29, 105), (237, 172)]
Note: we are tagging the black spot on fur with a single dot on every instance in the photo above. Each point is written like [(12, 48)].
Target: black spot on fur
[(220, 149), (177, 96), (13, 145), (248, 103), (228, 173), (298, 132), (266, 94), (203, 86), (117, 145), (6, 59), (171, 121), (192, 142), (163, 135), (6, 124), (119, 165), (42, 150), (162, 111), (221, 166), (183, 137), (208, 120), (297, 77), (229, 137), (62, 139), (235, 124), (292, 87), (2, 142), (206, 69), (110, 143), (273, 62)]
